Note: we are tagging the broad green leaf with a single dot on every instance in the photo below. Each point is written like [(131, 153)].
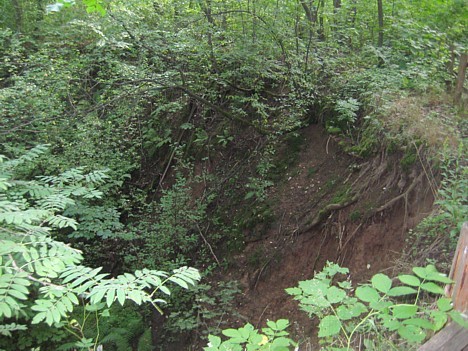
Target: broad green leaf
[(439, 318), (5, 310), (419, 322), (154, 280), (94, 307), (17, 294), (73, 298), (244, 333), (329, 326), (381, 282), (401, 291), (179, 281), (357, 309), (232, 333), (39, 317), (135, 295), (97, 294), (335, 295), (412, 333), (280, 343), (165, 290), (344, 313), (42, 305), (49, 317), (421, 272), (380, 305), (444, 304), (110, 297), (391, 324), (367, 294), (458, 318), (404, 311), (319, 301), (313, 287), (333, 269), (432, 288), (214, 341), (56, 314), (294, 291), (67, 303), (282, 324), (409, 280), (121, 296), (439, 277)]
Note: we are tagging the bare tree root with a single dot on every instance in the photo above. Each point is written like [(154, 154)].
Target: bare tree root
[(318, 252), (324, 213), (348, 239), (399, 197)]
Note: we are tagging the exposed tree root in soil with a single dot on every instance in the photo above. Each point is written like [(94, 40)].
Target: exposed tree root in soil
[(319, 251), (324, 213), (390, 203), (348, 239)]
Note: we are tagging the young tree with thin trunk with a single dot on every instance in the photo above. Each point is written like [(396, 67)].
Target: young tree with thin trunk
[(463, 63), (381, 22)]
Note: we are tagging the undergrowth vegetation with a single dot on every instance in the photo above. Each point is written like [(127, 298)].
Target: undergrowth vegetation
[(144, 136)]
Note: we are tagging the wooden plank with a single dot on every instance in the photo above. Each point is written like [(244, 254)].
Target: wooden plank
[(459, 273), (452, 338)]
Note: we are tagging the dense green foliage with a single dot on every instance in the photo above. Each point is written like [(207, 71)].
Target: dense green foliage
[(373, 314), (164, 120), (368, 318), (33, 263)]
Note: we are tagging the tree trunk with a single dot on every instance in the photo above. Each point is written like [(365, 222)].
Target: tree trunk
[(336, 5), (381, 22), (206, 8), (321, 31), (461, 77), (18, 14), (157, 322), (353, 12), (311, 16), (450, 69)]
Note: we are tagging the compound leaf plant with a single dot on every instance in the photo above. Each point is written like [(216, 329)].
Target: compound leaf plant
[(41, 278), (380, 315), (272, 338), (377, 312)]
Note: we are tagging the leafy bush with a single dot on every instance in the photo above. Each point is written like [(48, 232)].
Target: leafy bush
[(379, 314), (272, 338), (41, 279), (372, 311)]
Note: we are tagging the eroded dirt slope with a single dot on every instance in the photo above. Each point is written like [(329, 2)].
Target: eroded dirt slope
[(333, 207)]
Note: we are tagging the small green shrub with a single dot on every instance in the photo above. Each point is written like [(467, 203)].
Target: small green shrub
[(203, 309), (346, 116), (311, 171), (408, 159), (376, 309), (355, 216), (273, 338)]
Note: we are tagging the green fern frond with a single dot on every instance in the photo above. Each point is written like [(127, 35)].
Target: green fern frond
[(6, 329), (29, 156)]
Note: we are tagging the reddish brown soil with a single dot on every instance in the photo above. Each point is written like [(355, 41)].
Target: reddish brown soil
[(357, 236)]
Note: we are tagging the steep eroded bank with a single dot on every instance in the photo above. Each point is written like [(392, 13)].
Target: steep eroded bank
[(329, 207)]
